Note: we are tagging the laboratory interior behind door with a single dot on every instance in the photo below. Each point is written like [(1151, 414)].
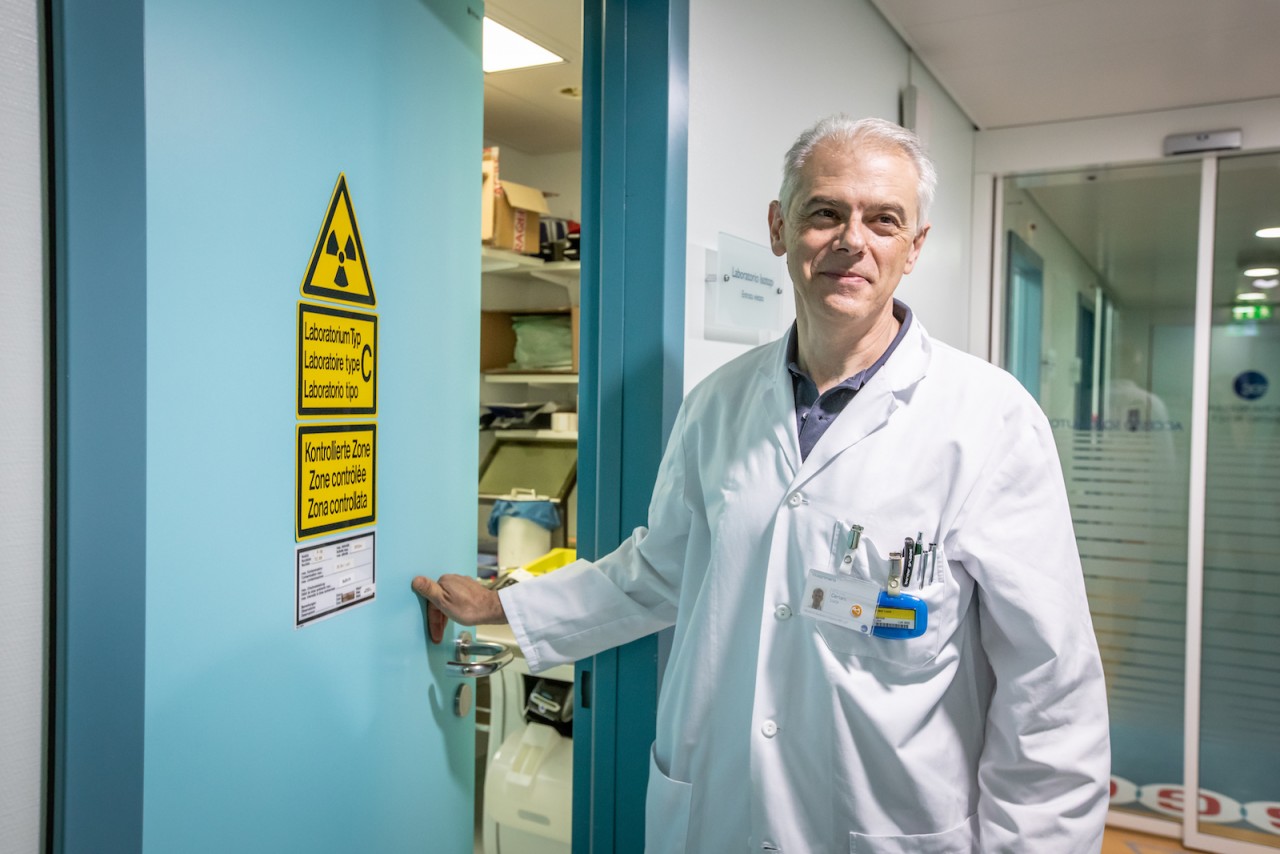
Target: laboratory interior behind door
[(266, 243)]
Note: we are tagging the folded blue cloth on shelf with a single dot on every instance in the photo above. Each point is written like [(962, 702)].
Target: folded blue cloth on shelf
[(543, 513)]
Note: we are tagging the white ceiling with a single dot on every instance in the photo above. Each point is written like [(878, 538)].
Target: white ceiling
[(1005, 62), (1017, 62), (524, 109)]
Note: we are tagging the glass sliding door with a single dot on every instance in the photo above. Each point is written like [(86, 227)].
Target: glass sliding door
[(1239, 649), (1116, 284)]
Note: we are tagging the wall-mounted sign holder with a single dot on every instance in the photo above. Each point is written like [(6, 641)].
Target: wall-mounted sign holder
[(746, 286)]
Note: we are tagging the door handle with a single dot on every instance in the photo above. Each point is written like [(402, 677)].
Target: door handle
[(464, 647)]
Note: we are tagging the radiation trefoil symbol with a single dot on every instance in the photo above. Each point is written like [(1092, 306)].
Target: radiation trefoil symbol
[(348, 251), (339, 269)]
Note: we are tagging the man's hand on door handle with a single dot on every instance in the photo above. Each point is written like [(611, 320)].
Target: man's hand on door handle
[(459, 598)]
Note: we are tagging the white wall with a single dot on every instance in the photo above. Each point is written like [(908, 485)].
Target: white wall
[(759, 73), (558, 174), (22, 369)]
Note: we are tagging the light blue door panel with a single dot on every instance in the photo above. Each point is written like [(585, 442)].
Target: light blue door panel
[(339, 736)]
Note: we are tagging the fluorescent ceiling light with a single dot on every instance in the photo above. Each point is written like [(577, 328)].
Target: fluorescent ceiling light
[(1266, 283), (506, 49), (1274, 231), (1252, 297), (1259, 272)]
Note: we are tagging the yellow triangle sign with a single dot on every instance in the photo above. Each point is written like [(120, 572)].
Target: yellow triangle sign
[(338, 269)]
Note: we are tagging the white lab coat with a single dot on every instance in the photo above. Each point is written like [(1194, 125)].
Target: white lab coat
[(777, 732)]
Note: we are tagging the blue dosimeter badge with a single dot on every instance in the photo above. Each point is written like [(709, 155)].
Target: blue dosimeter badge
[(900, 617)]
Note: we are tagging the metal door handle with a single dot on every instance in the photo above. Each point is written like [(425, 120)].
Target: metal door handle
[(464, 647)]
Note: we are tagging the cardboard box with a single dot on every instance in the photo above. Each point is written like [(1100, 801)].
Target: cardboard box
[(509, 212), (498, 339)]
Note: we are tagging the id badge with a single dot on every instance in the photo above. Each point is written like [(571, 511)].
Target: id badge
[(840, 599)]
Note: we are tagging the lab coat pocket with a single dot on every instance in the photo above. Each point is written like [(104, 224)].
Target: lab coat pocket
[(666, 821), (962, 839), (939, 596)]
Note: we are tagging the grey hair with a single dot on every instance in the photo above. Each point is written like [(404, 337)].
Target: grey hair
[(848, 132)]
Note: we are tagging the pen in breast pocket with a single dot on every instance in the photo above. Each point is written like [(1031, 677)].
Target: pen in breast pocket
[(908, 560)]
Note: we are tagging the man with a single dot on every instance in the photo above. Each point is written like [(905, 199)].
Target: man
[(812, 459)]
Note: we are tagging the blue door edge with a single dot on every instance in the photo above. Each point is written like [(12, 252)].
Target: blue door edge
[(97, 232), (635, 151)]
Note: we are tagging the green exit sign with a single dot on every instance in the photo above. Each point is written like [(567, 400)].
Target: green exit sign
[(1251, 312)]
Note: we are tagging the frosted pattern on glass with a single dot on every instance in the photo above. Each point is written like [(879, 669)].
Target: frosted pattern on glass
[(1114, 379)]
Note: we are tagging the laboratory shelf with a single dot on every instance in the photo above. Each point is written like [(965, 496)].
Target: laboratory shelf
[(563, 273), (505, 261), (548, 435), (530, 378), (511, 279)]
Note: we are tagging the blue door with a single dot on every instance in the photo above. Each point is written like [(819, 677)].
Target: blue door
[(211, 696), (1025, 321)]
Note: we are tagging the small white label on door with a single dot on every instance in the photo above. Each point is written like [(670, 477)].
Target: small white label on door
[(333, 576)]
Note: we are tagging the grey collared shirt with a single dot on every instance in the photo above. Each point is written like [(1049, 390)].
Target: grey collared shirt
[(815, 412)]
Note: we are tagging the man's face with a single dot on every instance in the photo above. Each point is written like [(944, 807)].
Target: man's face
[(852, 232)]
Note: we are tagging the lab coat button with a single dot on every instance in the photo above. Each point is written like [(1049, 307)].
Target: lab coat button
[(770, 729), (782, 612), (795, 499)]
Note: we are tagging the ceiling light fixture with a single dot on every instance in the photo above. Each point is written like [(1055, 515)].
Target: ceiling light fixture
[(1265, 283), (506, 50), (1259, 272), (1253, 296), (1273, 231)]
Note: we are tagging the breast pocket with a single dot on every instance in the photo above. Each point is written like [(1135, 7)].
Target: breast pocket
[(930, 582)]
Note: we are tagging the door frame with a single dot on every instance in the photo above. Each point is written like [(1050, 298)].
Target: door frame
[(635, 144), (97, 232), (25, 384)]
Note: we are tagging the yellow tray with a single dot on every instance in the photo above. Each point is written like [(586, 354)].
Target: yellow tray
[(553, 559)]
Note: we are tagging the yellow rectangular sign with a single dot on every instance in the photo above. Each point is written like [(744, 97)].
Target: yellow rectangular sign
[(336, 478), (337, 361)]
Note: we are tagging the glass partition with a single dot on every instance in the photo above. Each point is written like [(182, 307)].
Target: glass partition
[(1240, 641), (1100, 275)]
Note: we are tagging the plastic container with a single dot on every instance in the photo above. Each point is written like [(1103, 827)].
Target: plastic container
[(528, 791), (553, 559), (520, 541)]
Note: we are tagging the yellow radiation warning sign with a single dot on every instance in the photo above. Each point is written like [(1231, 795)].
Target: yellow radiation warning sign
[(337, 361), (336, 474), (338, 269)]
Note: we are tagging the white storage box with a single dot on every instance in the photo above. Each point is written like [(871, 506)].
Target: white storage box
[(528, 791)]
